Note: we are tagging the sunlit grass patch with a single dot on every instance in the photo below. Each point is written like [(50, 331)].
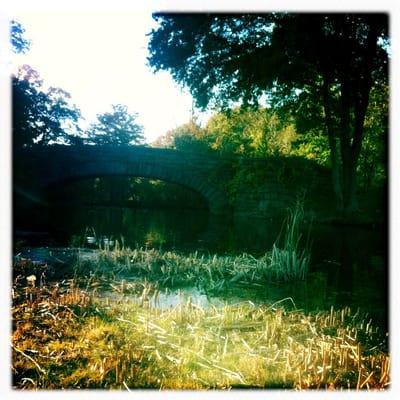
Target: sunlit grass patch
[(69, 338)]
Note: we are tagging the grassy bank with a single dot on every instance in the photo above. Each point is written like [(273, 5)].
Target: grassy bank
[(95, 321), (67, 337)]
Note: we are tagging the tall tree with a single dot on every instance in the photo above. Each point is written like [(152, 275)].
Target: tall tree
[(40, 116), (117, 127), (328, 60)]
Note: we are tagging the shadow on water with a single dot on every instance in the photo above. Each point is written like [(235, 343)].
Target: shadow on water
[(349, 265)]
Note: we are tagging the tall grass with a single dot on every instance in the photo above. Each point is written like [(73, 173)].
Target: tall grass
[(285, 262), (289, 261), (174, 269)]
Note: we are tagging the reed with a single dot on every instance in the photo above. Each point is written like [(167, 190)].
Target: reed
[(211, 272), (289, 261), (65, 337)]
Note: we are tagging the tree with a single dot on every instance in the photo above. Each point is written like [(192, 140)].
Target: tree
[(117, 127), (187, 137), (248, 133), (329, 61), (39, 116), (251, 133), (19, 43)]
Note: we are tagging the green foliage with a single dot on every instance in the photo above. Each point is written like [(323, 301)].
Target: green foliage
[(237, 57), (41, 116), (232, 133), (373, 158), (118, 127), (248, 133), (208, 53), (313, 146), (322, 66), (187, 137), (251, 133), (290, 170)]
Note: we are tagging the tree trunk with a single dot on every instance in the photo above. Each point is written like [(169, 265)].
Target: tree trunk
[(347, 128), (361, 91), (350, 203), (337, 173), (333, 146)]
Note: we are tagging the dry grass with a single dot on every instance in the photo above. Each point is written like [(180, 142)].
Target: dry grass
[(66, 337)]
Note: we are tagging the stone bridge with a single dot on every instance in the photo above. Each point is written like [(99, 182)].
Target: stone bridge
[(37, 169), (57, 164)]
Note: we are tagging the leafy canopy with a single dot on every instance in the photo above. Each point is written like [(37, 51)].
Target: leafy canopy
[(41, 116), (248, 133), (118, 127), (322, 67), (230, 58)]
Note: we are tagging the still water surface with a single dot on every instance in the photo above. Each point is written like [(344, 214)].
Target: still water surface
[(349, 265)]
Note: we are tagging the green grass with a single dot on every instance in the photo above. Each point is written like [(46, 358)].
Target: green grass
[(290, 261), (66, 337)]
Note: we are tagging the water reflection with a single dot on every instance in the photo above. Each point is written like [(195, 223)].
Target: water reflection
[(169, 229)]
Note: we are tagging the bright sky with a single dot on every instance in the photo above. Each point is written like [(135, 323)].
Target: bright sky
[(100, 59)]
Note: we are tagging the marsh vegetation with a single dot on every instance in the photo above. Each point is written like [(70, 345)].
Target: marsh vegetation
[(103, 322), (66, 336)]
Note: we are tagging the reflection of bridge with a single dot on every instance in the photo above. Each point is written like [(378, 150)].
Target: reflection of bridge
[(57, 164), (37, 169)]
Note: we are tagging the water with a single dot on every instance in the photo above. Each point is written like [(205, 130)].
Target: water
[(349, 265)]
